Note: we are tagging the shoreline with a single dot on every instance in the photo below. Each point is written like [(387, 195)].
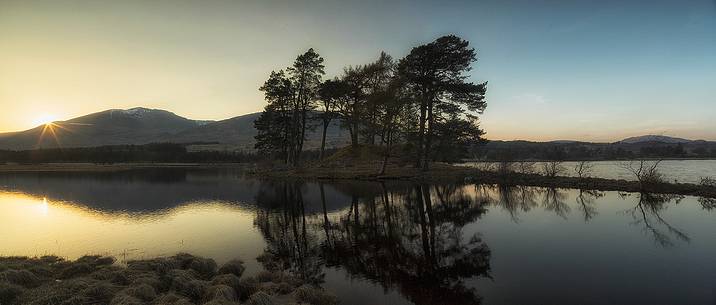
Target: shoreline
[(441, 173), (367, 171)]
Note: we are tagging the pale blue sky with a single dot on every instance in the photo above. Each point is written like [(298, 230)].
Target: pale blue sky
[(585, 70)]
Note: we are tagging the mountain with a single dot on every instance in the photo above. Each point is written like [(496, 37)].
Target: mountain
[(142, 126), (654, 138), (240, 132), (236, 131), (110, 127)]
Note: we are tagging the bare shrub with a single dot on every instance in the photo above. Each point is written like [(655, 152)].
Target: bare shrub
[(645, 171), (552, 168), (708, 181), (525, 167), (504, 168), (583, 168), (485, 166)]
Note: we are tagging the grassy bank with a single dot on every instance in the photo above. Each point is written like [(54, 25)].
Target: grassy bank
[(182, 279)]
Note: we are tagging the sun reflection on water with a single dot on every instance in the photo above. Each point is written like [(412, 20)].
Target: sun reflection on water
[(38, 226)]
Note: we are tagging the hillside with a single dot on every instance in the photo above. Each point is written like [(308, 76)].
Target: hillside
[(239, 133), (142, 126), (110, 127), (647, 147), (654, 138)]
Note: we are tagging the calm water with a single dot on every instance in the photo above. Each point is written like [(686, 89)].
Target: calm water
[(683, 171), (373, 243)]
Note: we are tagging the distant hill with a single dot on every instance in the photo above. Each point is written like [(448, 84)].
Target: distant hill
[(110, 127), (142, 126), (654, 138), (240, 132), (636, 147)]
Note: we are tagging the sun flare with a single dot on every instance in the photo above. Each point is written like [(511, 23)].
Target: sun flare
[(44, 119)]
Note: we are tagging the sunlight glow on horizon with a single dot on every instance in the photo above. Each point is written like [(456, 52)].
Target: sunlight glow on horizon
[(44, 119), (65, 59)]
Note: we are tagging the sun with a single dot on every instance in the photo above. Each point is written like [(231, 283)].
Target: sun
[(44, 119)]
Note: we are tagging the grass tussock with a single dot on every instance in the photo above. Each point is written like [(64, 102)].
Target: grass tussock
[(182, 279), (315, 296)]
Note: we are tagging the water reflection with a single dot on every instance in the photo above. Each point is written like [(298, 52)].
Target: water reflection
[(409, 239), (586, 202), (427, 243), (284, 225), (708, 203), (647, 213)]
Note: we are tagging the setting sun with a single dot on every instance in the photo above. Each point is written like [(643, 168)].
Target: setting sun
[(44, 119)]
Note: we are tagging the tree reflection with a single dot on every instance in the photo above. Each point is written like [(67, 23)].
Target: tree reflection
[(707, 204), (586, 203), (409, 239), (412, 240), (647, 212), (284, 226), (515, 199), (554, 200)]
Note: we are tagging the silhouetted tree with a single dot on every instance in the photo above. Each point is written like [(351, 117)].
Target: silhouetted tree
[(436, 74), (352, 107), (305, 74), (293, 93), (275, 135), (332, 93)]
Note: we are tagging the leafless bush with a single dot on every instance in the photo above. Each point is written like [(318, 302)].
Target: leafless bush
[(583, 168), (552, 168), (646, 171), (504, 168), (484, 166), (708, 181), (526, 167)]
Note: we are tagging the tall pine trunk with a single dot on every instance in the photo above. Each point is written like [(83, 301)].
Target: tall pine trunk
[(387, 153), (421, 133), (323, 138), (354, 126), (428, 137)]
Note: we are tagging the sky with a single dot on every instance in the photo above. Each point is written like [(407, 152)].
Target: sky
[(556, 70)]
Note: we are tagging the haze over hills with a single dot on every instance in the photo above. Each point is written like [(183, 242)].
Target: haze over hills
[(142, 125)]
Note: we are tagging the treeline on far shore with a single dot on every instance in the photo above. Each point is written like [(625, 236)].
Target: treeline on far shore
[(565, 151), (490, 151), (155, 152)]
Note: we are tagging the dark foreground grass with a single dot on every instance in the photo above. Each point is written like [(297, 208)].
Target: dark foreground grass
[(181, 279)]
